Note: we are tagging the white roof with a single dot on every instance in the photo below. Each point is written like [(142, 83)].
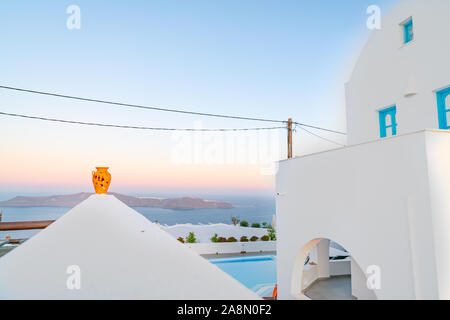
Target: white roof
[(121, 255), (336, 252)]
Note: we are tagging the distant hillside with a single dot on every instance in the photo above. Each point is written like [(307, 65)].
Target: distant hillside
[(186, 203)]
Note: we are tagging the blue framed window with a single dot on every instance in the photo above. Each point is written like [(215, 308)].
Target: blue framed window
[(443, 102), (388, 122), (408, 29)]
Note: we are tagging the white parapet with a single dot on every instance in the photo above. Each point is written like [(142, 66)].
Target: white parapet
[(233, 247)]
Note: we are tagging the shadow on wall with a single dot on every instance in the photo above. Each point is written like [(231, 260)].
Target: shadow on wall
[(324, 270)]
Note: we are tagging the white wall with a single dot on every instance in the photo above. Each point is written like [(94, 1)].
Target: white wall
[(375, 200), (438, 158), (340, 267), (310, 275), (359, 283), (233, 247), (387, 70)]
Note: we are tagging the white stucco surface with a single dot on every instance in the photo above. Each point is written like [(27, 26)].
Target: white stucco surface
[(121, 255), (390, 72), (386, 202)]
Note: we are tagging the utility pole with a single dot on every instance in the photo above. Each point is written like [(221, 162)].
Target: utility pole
[(289, 141)]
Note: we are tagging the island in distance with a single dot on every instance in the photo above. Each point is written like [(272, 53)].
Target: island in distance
[(71, 200)]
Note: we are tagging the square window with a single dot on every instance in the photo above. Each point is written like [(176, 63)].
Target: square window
[(408, 30), (443, 103), (388, 123)]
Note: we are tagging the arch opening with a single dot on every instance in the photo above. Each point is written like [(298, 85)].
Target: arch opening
[(325, 270)]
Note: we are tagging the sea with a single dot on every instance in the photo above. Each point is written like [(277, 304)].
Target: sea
[(253, 209)]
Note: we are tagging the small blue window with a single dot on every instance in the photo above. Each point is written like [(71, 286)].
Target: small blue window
[(443, 102), (409, 31), (388, 121)]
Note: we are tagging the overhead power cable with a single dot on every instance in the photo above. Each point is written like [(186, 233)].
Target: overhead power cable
[(133, 127), (318, 128), (162, 109), (140, 106), (320, 137)]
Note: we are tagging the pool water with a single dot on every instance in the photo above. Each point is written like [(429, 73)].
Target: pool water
[(258, 273)]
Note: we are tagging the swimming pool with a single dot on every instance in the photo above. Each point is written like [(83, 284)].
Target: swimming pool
[(258, 273)]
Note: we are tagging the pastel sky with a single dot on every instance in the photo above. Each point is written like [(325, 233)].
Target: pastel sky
[(264, 58)]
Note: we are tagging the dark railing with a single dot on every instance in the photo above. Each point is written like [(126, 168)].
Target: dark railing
[(25, 225), (22, 225)]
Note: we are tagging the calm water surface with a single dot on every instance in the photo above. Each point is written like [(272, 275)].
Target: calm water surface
[(262, 211), (257, 273)]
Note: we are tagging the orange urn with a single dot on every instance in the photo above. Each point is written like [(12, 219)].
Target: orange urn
[(101, 179)]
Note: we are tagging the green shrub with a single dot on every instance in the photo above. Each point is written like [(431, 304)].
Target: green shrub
[(271, 232), (244, 239), (265, 225), (235, 220), (265, 238), (181, 239), (215, 239), (244, 223), (231, 239), (222, 239), (256, 225), (191, 238), (254, 238)]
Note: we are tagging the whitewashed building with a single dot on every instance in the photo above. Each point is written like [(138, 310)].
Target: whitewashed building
[(386, 197)]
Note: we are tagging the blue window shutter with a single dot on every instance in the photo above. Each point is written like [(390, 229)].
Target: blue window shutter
[(408, 31), (443, 108), (382, 116), (392, 111)]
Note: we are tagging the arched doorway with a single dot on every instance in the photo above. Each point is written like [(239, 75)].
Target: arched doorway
[(325, 270)]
